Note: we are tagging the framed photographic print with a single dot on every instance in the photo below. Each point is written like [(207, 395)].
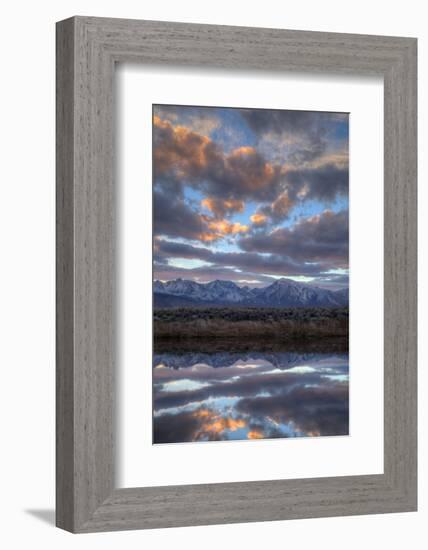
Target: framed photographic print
[(265, 356), (236, 274)]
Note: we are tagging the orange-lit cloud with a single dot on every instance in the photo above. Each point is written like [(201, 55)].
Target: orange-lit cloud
[(220, 207), (251, 168), (255, 434), (225, 227), (258, 218), (218, 229), (178, 148), (186, 155)]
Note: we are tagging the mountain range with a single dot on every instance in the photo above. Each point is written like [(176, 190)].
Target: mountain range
[(281, 293)]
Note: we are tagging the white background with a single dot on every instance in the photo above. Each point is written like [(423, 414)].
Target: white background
[(144, 464), (27, 272)]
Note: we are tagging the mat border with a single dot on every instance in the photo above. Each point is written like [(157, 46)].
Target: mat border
[(87, 50)]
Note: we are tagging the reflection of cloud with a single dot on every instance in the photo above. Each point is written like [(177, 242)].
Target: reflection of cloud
[(256, 434), (214, 424), (302, 369), (200, 425), (174, 428), (183, 384), (272, 383), (247, 402), (321, 410)]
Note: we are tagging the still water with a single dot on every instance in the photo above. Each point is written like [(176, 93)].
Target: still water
[(221, 396)]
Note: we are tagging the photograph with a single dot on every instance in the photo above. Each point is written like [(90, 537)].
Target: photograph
[(250, 273)]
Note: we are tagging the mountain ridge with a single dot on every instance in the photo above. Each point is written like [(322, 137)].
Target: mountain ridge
[(281, 293)]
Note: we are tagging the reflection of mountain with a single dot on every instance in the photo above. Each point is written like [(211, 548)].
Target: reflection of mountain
[(281, 293), (280, 360)]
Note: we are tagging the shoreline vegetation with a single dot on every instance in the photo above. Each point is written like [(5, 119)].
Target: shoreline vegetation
[(241, 327)]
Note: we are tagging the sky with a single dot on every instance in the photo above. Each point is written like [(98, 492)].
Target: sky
[(250, 195)]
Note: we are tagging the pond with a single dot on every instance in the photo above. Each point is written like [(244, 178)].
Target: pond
[(240, 395)]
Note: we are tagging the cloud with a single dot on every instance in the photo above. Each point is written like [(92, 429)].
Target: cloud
[(198, 119), (279, 209), (222, 207), (324, 182), (206, 274), (298, 136), (220, 228), (258, 218), (172, 216), (178, 151), (291, 122), (183, 155), (332, 281), (188, 156), (275, 262), (320, 238)]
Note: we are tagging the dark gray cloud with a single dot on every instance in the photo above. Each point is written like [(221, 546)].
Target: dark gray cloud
[(306, 133), (322, 238), (332, 281), (172, 216), (282, 122), (323, 183), (210, 273), (274, 263)]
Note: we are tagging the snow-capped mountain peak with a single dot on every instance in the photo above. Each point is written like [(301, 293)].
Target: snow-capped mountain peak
[(282, 293)]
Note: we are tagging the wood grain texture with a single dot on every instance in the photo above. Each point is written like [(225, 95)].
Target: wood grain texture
[(87, 50), (64, 276)]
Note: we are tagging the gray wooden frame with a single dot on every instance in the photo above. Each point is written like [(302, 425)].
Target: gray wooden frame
[(87, 50)]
